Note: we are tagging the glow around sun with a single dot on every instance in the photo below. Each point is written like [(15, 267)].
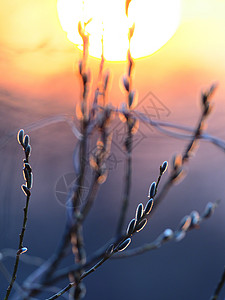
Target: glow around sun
[(155, 23)]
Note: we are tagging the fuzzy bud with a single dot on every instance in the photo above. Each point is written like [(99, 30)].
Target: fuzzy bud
[(195, 218), (122, 246), (28, 167), (20, 136), (126, 83), (152, 189), (210, 207), (149, 206), (21, 251), (131, 226), (25, 190), (185, 223), (28, 177), (27, 151), (131, 98), (167, 234), (141, 225), (163, 167), (26, 141), (139, 212), (106, 80), (177, 162)]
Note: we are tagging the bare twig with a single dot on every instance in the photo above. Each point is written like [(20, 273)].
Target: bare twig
[(24, 141), (85, 274), (76, 233), (193, 220), (8, 276), (188, 223), (219, 287), (137, 224), (73, 209), (49, 267), (28, 259), (177, 170), (97, 161), (159, 125), (123, 241), (178, 161), (206, 109), (130, 122)]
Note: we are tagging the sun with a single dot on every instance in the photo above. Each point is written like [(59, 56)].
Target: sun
[(155, 23)]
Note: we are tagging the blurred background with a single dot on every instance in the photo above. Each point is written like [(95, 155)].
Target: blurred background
[(39, 83)]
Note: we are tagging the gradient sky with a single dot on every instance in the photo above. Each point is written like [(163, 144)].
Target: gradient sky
[(35, 51), (38, 80)]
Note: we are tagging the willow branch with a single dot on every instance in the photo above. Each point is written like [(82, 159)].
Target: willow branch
[(28, 259), (177, 167), (86, 129), (174, 175), (219, 287), (115, 247), (85, 274), (127, 187), (24, 141), (130, 122), (73, 210), (194, 223)]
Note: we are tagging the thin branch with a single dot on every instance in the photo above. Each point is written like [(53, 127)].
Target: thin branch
[(177, 167), (178, 161), (188, 223), (24, 141), (160, 126), (219, 287), (117, 246), (73, 210), (174, 175), (18, 253), (127, 187), (8, 276), (97, 163), (52, 263), (194, 222), (28, 259), (85, 274), (130, 122)]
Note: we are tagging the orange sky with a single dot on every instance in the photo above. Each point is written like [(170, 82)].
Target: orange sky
[(37, 59), (38, 80)]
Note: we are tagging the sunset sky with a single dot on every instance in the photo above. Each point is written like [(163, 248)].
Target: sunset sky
[(39, 80), (37, 56)]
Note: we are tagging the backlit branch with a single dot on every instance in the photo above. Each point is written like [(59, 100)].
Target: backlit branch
[(28, 176), (187, 224), (130, 125), (135, 225)]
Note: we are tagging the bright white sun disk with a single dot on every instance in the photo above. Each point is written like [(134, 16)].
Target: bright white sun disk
[(156, 21)]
